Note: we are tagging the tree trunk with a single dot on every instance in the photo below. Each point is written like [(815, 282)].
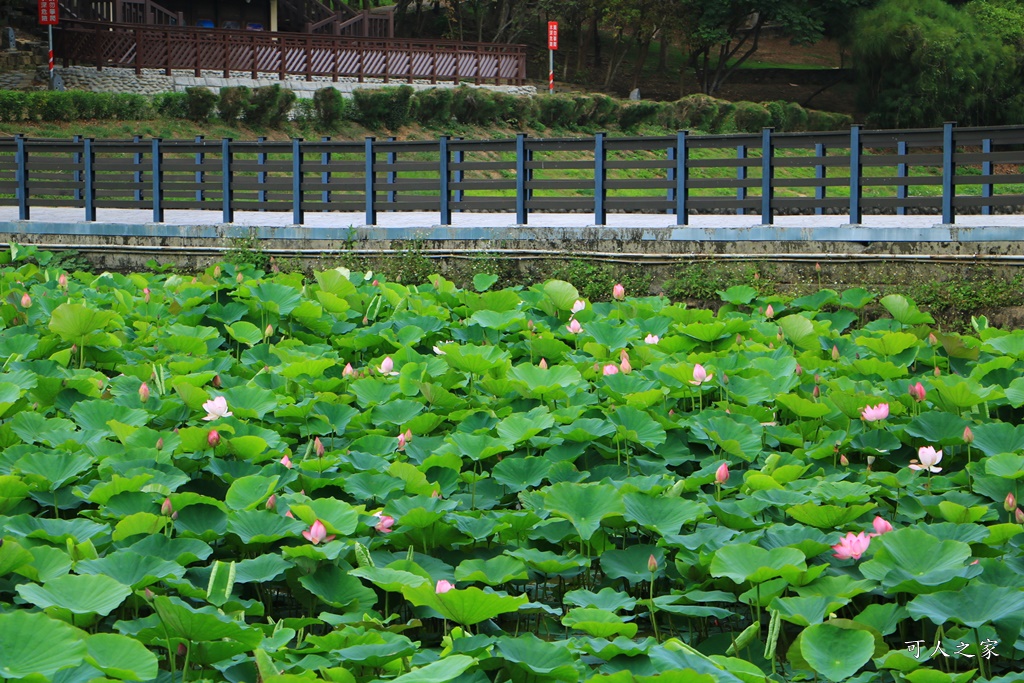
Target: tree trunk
[(594, 21), (663, 52), (641, 60)]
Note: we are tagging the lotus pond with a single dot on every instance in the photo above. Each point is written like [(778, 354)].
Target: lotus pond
[(243, 476)]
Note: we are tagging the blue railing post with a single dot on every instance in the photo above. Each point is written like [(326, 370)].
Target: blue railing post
[(600, 176), (158, 181), (22, 177), (901, 172), (856, 189), (200, 157), (682, 172), (521, 215), (457, 175), (820, 173), (137, 176), (948, 172), (261, 176), (767, 152), (741, 175), (670, 176), (392, 159), (986, 170), (226, 182), (325, 176), (76, 159), (89, 179), (297, 213), (371, 204), (444, 175)]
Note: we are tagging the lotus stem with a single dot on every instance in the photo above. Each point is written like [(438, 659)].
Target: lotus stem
[(654, 619)]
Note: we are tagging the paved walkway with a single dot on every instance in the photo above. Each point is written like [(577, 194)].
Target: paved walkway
[(425, 225)]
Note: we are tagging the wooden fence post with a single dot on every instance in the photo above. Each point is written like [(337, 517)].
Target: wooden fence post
[(137, 175), (856, 189), (682, 173), (227, 210), (600, 176), (986, 170), (901, 172), (297, 213), (444, 173), (261, 176), (522, 215), (89, 180), (371, 205), (200, 175), (325, 176), (457, 174), (820, 173), (392, 159), (767, 152), (948, 173), (741, 175), (76, 159), (158, 177), (670, 176)]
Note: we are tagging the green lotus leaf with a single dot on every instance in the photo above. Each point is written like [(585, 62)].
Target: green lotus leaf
[(483, 281), (637, 426), (741, 562), (338, 588), (856, 298), (974, 606), (806, 611), (937, 428), (492, 572), (261, 569), (338, 516), (907, 559), (467, 606), (247, 493), (203, 624), (57, 531), (396, 412), (993, 438), (607, 599), (23, 657), (520, 473), (519, 427), (889, 344), (77, 323), (598, 623), (442, 671), (562, 294), (584, 505), (905, 311), (56, 468), (664, 514), (836, 653), (393, 580), (1005, 465), (738, 295), (260, 526), (555, 382), (827, 516), (800, 331), (801, 407), (476, 360), (78, 594), (250, 401), (12, 491), (632, 563), (131, 569), (13, 557), (121, 657), (537, 656), (275, 297)]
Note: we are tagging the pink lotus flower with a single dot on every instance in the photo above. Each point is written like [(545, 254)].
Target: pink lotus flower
[(401, 442), (348, 371), (387, 366), (443, 587), (272, 501), (652, 339), (216, 408), (610, 369), (652, 563), (62, 281), (769, 312), (624, 363), (917, 392), (968, 435), (318, 446), (287, 462), (844, 461), (143, 392), (929, 459), (578, 306), (439, 351), (798, 370), (384, 523), (574, 326), (145, 294), (166, 508), (875, 413), (1010, 504), (26, 300), (317, 534), (213, 438), (618, 292), (700, 375), (722, 473), (543, 364), (881, 526), (1019, 516), (851, 546)]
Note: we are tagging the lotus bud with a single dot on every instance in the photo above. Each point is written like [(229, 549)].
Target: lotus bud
[(739, 339), (143, 392), (348, 371), (817, 378), (844, 461), (366, 321), (816, 392), (318, 446), (725, 378), (835, 352), (618, 292), (722, 473), (74, 348), (771, 345), (757, 276), (817, 267), (26, 300), (871, 461), (968, 435), (213, 438), (160, 444), (216, 271), (267, 333), (166, 508), (272, 501), (543, 365), (625, 366), (408, 435), (779, 336), (610, 369), (799, 370), (574, 326), (937, 372), (1019, 516), (174, 515), (443, 587), (1010, 504), (148, 593), (769, 312), (932, 339), (62, 281), (287, 462), (435, 494), (652, 563), (146, 294), (401, 442), (216, 382), (182, 650), (239, 278)]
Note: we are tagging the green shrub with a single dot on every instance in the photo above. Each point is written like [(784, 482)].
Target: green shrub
[(268, 106), (51, 106), (636, 113), (777, 111), (173, 105), (751, 117), (233, 103), (383, 108), (796, 117), (825, 120), (13, 104), (556, 111), (699, 112), (328, 108), (606, 110), (513, 110), (304, 111), (199, 104), (433, 106), (88, 105), (474, 106)]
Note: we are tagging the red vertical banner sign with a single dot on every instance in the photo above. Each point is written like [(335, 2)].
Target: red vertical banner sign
[(552, 46), (48, 12)]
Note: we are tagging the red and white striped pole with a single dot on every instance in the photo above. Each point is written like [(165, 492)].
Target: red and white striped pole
[(552, 46), (51, 55)]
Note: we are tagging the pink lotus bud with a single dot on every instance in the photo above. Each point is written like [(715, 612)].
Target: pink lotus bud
[(269, 332), (769, 312), (610, 369), (143, 392), (817, 267), (148, 593), (543, 365), (443, 587), (182, 650), (652, 339), (62, 281), (401, 442), (387, 365), (881, 526), (530, 325), (384, 524), (435, 494), (1019, 516), (174, 515), (287, 462), (166, 508), (289, 515), (216, 271), (272, 501), (835, 352), (799, 370), (239, 278), (317, 533), (917, 391), (932, 339), (318, 446), (937, 372), (216, 382), (1010, 504), (618, 292), (348, 371), (145, 294), (213, 438), (844, 461), (160, 444), (366, 321), (652, 563), (817, 378), (968, 435), (26, 300), (722, 473), (578, 306), (625, 366), (871, 461), (574, 326), (816, 392), (757, 276), (408, 435)]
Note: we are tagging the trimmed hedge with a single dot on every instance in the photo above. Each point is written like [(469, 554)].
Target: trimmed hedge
[(72, 105), (383, 108)]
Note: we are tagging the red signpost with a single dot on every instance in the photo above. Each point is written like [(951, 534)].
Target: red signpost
[(552, 46), (49, 15)]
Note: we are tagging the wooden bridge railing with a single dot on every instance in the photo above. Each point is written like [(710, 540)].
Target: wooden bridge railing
[(283, 54), (941, 171)]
